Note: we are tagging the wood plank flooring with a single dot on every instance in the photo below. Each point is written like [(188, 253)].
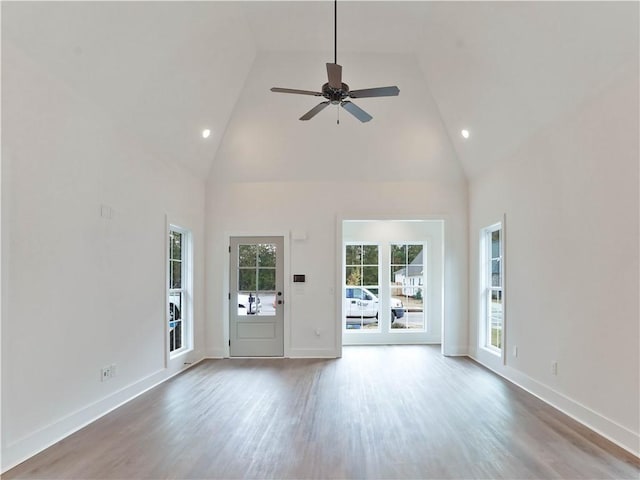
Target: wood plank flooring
[(378, 412)]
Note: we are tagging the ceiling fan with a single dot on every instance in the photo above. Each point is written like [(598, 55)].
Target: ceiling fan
[(337, 92)]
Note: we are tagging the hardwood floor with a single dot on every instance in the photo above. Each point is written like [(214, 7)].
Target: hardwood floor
[(378, 412)]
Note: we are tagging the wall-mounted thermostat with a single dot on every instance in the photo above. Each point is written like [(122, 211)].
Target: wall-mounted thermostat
[(297, 278)]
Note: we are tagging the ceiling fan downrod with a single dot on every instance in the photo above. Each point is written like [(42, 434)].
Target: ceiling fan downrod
[(335, 91), (335, 31)]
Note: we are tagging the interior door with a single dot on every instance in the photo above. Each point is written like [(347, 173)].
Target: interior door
[(256, 301)]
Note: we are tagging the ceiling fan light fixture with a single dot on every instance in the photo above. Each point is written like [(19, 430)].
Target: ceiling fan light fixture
[(335, 91)]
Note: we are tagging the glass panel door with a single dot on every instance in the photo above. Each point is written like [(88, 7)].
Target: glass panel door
[(256, 317), (408, 286), (362, 287)]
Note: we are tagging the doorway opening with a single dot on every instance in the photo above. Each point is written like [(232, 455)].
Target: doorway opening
[(392, 282)]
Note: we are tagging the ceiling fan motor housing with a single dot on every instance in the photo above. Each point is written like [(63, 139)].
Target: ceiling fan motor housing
[(335, 95)]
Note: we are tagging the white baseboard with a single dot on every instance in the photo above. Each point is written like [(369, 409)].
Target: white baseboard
[(215, 353), (26, 447), (313, 353), (455, 351), (609, 429)]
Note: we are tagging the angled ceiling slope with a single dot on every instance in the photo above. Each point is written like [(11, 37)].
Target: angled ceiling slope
[(166, 70)]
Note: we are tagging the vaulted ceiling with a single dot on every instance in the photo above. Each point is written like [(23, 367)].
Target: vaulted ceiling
[(166, 70)]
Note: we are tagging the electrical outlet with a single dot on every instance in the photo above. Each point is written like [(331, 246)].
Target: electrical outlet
[(554, 368), (105, 374)]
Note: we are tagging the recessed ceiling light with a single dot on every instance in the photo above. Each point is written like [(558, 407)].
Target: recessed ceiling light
[(205, 133), (464, 133)]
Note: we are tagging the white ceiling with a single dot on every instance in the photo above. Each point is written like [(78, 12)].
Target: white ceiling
[(165, 70)]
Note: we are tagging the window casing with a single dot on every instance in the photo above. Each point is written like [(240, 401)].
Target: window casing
[(492, 283), (179, 290)]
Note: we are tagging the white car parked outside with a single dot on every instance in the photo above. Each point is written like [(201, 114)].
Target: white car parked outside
[(360, 302)]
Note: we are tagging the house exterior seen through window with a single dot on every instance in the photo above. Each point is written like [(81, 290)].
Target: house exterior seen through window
[(179, 289), (492, 278)]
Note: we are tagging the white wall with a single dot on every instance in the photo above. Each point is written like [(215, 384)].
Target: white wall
[(80, 291), (570, 196), (275, 174)]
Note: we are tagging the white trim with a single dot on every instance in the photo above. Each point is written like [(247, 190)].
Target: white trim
[(607, 428), (485, 266), (314, 353), (456, 351), (35, 442), (215, 353), (434, 315), (445, 218), (338, 284)]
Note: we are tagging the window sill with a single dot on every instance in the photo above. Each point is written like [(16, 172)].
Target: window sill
[(492, 351), (179, 353)]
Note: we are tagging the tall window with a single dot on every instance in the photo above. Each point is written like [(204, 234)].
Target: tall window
[(179, 289), (493, 288)]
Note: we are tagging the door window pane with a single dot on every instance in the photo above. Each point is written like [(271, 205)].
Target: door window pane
[(370, 255), (398, 254), (266, 279), (257, 279), (247, 279), (353, 255), (370, 276), (353, 275), (247, 255), (249, 303), (267, 255)]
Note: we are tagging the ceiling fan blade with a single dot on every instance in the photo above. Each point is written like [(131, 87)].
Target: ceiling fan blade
[(292, 90), (356, 111), (334, 72), (314, 111), (375, 92)]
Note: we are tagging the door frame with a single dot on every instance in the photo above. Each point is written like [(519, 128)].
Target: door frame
[(286, 257), (341, 218)]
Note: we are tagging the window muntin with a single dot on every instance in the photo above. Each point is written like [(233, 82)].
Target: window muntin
[(493, 288), (178, 294)]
